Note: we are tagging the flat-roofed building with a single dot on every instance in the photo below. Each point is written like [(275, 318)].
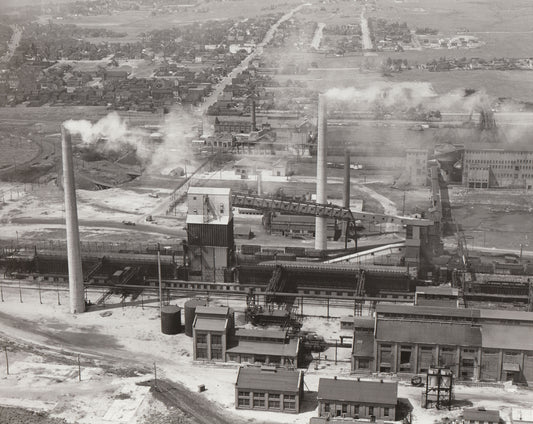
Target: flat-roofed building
[(212, 327), (357, 398), (498, 168), (269, 389)]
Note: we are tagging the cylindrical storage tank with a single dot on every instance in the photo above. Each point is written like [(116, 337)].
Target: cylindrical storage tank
[(170, 319), (190, 311)]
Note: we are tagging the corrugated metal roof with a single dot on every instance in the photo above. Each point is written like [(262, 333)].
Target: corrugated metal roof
[(426, 310), (497, 336), (372, 392), (209, 324), (481, 415), (212, 310), (279, 380), (453, 334), (261, 348)]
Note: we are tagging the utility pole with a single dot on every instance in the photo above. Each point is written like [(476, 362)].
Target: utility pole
[(159, 278), (7, 360)]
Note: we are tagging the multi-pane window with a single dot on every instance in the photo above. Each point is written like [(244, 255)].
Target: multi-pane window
[(259, 400), (274, 401), (244, 402), (216, 339), (201, 338), (216, 353), (386, 412), (289, 402), (201, 353)]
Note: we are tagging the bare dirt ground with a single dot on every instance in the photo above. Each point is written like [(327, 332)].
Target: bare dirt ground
[(118, 352)]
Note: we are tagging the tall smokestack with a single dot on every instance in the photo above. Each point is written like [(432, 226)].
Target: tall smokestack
[(346, 192), (321, 177), (254, 123), (75, 275), (259, 185)]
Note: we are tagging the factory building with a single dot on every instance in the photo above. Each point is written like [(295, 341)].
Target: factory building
[(270, 347), (480, 415), (269, 389), (212, 328), (498, 168), (374, 400), (209, 232), (416, 168), (487, 345)]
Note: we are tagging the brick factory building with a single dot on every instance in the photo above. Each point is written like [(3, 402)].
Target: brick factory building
[(270, 347), (212, 328), (486, 345), (374, 400), (269, 389), (498, 168)]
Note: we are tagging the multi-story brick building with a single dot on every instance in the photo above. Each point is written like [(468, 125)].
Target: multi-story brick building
[(498, 168)]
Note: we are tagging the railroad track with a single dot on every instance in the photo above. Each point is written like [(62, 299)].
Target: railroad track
[(192, 404)]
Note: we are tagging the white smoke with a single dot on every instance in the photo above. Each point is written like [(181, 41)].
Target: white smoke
[(176, 149), (112, 127), (401, 96)]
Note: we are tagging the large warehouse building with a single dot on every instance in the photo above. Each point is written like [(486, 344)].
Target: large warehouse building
[(498, 168), (476, 344)]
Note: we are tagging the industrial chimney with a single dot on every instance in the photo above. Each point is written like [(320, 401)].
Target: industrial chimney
[(75, 275), (321, 177), (346, 192), (254, 122)]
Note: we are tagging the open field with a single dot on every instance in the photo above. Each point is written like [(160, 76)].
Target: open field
[(135, 23), (505, 25)]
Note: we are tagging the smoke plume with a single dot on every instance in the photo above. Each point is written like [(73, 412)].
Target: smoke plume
[(402, 96)]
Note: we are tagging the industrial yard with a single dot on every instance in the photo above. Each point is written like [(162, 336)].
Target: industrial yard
[(294, 212)]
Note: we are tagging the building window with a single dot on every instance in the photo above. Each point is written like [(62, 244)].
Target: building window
[(344, 408), (216, 353), (370, 410), (216, 339), (386, 412), (201, 353), (259, 403), (259, 400), (201, 338), (356, 409), (274, 401), (244, 394), (289, 402), (244, 402), (326, 407)]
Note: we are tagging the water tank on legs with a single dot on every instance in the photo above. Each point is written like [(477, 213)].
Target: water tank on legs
[(170, 319), (190, 311)]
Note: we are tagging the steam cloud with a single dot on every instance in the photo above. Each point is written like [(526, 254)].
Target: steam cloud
[(112, 134), (402, 96)]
